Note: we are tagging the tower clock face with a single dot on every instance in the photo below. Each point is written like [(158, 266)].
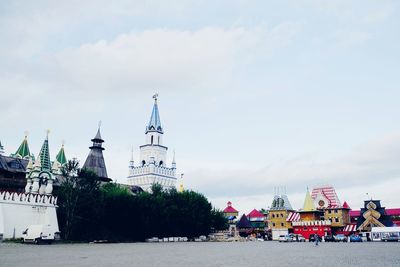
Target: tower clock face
[(321, 203)]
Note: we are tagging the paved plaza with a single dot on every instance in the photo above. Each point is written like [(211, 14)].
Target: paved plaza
[(201, 254)]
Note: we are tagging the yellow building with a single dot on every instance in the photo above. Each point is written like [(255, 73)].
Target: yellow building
[(278, 215)]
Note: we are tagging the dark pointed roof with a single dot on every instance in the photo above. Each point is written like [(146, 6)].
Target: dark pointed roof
[(244, 222), (95, 160), (155, 122), (98, 138)]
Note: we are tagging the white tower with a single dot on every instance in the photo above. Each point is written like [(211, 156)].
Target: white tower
[(152, 167)]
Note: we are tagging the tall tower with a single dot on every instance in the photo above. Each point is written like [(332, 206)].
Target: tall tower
[(152, 167), (95, 160), (39, 175)]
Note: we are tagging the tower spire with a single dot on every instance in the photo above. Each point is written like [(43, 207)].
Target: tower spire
[(131, 162), (44, 154), (61, 158), (155, 122), (308, 202), (173, 161), (181, 188), (1, 149), (95, 160), (23, 150)]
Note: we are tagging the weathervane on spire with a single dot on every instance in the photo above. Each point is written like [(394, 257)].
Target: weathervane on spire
[(26, 133), (99, 124), (155, 96), (47, 133)]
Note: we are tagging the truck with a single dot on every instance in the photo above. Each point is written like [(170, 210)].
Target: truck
[(40, 233)]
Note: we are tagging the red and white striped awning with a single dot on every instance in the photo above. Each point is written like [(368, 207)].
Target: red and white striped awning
[(293, 217), (350, 228)]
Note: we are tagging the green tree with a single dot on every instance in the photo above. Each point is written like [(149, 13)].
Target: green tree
[(78, 194)]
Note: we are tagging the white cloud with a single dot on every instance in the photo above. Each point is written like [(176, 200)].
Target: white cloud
[(371, 167)]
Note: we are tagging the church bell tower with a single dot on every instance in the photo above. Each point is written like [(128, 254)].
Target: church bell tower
[(152, 167)]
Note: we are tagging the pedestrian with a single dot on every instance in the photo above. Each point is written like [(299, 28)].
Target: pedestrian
[(316, 239)]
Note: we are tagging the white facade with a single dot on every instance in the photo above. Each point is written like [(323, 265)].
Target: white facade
[(152, 167), (18, 211)]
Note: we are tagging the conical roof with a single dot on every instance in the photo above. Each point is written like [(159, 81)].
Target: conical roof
[(346, 206), (95, 160), (308, 203), (23, 150), (44, 155), (155, 122), (244, 222), (61, 158), (98, 138)]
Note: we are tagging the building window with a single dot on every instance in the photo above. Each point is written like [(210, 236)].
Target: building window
[(161, 163), (273, 215), (336, 219), (143, 162), (273, 224), (329, 211), (282, 224), (151, 139), (158, 140), (281, 215), (335, 211)]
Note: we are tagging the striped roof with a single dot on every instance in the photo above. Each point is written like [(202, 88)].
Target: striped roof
[(328, 193), (293, 217), (350, 228)]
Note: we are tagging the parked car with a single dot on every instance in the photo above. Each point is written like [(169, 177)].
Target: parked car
[(298, 238), (285, 238), (330, 238), (355, 238), (390, 237), (341, 238), (40, 233), (312, 238)]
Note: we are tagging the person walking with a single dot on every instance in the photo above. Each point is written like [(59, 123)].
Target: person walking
[(316, 237)]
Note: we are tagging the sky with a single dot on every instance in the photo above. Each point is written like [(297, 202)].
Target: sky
[(253, 95)]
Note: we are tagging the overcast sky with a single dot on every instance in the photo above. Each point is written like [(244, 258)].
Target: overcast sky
[(252, 94)]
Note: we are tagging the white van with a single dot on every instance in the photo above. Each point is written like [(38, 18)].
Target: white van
[(39, 233)]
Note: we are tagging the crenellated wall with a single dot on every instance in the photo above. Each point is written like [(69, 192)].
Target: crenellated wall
[(19, 210)]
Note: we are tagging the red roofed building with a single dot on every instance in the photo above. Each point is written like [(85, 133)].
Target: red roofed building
[(230, 211), (257, 220)]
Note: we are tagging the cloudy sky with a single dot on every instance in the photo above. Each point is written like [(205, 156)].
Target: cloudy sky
[(253, 94)]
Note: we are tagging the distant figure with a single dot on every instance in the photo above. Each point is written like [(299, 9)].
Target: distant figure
[(316, 239)]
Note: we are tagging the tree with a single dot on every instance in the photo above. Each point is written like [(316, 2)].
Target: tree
[(78, 193)]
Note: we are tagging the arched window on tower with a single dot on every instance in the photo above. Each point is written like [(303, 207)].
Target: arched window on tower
[(158, 140), (161, 163), (152, 139), (143, 162)]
